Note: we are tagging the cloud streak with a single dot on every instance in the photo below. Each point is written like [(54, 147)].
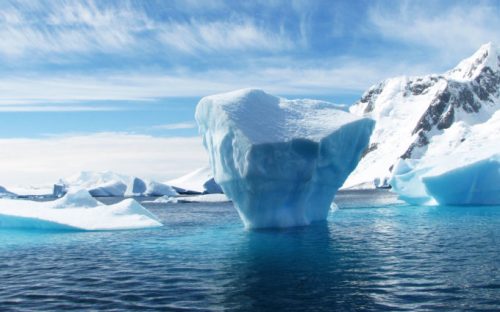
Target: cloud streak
[(452, 30), (175, 126)]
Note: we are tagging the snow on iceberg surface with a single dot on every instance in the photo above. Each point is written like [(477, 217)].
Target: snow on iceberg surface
[(280, 161), (77, 210)]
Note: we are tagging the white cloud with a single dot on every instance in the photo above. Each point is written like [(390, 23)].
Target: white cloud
[(176, 126), (339, 75), (454, 32), (69, 26), (196, 36), (42, 161), (79, 27)]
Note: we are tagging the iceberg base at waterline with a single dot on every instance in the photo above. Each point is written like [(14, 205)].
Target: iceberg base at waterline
[(77, 210)]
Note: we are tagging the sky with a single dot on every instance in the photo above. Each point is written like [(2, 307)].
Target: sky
[(113, 85)]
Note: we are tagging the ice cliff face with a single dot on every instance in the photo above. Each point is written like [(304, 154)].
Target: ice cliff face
[(411, 112), (280, 161)]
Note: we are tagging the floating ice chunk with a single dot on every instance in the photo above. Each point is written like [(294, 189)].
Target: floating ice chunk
[(280, 161), (111, 188), (200, 181), (406, 182), (5, 193), (159, 189), (77, 211), (477, 183), (135, 187)]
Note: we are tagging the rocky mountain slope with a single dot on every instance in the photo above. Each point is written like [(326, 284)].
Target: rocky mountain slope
[(411, 112)]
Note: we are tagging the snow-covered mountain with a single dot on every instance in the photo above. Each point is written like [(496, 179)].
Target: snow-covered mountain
[(413, 113)]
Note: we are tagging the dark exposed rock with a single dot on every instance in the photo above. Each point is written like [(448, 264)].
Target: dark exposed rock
[(370, 96), (370, 148)]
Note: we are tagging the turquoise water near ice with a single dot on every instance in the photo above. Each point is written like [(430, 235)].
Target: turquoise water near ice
[(371, 255)]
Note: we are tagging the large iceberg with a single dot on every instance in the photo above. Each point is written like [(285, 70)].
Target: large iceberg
[(77, 210), (200, 181), (280, 161), (462, 168)]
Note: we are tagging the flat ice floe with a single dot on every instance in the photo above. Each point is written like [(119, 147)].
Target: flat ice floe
[(77, 210)]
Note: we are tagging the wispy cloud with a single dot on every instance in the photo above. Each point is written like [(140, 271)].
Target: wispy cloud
[(196, 36), (81, 27), (67, 26), (334, 76), (41, 161), (455, 30), (175, 126)]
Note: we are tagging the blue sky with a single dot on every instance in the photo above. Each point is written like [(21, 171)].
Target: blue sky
[(82, 68)]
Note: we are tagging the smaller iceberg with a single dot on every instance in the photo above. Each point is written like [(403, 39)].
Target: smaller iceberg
[(4, 193), (477, 183), (200, 181), (77, 210), (110, 184), (159, 189)]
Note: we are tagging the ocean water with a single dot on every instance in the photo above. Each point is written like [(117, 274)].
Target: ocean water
[(373, 254)]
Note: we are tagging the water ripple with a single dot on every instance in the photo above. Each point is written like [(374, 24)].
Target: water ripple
[(382, 257)]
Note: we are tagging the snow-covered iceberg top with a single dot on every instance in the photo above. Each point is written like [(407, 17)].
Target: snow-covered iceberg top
[(77, 210), (462, 167), (280, 161)]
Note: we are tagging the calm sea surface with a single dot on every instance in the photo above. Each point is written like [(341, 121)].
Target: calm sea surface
[(372, 254)]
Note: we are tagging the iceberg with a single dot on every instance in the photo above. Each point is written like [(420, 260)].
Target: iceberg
[(110, 184), (463, 168), (77, 210), (280, 161), (200, 181), (5, 193), (111, 188), (477, 183), (159, 189)]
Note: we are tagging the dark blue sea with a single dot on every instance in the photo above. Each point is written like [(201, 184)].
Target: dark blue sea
[(373, 254)]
